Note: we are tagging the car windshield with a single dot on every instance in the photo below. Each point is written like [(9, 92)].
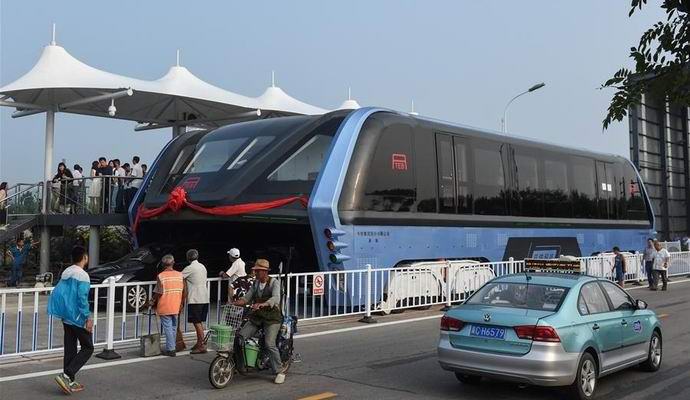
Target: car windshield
[(520, 295)]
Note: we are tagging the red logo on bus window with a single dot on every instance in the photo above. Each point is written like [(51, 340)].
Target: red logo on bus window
[(634, 188), (399, 162), (191, 183)]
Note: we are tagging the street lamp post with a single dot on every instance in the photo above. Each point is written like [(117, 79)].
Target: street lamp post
[(504, 120)]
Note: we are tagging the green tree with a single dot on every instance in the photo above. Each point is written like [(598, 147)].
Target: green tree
[(661, 62)]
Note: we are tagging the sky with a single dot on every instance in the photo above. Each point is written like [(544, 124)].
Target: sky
[(460, 61)]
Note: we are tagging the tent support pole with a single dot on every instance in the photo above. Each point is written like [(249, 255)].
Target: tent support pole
[(177, 130), (47, 168)]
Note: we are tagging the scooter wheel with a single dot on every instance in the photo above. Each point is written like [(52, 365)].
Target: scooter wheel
[(221, 371)]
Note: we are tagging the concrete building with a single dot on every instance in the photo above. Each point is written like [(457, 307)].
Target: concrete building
[(659, 149)]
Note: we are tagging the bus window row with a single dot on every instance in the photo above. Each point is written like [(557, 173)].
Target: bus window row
[(411, 169)]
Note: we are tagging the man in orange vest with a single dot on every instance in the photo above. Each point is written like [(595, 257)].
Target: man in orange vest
[(168, 301)]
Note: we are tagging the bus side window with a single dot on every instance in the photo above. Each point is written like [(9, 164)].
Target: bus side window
[(446, 173), (527, 186), (583, 193), (556, 187), (490, 191), (462, 172)]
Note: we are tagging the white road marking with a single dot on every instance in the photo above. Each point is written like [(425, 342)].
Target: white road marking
[(141, 359), (369, 326), (87, 367)]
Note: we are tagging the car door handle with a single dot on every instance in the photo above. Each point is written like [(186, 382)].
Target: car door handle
[(595, 327), (624, 322)]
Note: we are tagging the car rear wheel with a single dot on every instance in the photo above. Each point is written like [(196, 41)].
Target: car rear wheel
[(468, 379), (653, 362), (586, 379)]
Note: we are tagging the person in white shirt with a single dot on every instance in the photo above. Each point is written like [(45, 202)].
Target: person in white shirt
[(197, 297), (78, 188), (661, 259), (137, 172), (236, 270), (118, 190)]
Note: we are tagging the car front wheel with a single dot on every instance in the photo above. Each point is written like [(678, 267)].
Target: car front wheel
[(586, 379), (653, 362), (137, 297)]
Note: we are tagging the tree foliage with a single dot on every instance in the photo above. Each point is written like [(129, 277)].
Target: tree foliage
[(661, 62)]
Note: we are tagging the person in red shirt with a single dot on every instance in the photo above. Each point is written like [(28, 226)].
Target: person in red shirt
[(168, 301)]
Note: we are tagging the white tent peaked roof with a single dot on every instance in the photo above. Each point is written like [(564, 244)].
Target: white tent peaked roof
[(274, 98), (349, 104), (59, 79), (56, 68)]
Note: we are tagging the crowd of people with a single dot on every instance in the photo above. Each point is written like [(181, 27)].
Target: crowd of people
[(109, 187), (656, 262), (69, 302)]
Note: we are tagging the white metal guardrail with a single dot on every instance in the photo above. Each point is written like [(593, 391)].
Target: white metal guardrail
[(26, 329)]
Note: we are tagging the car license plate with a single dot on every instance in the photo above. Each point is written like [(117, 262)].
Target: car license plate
[(488, 332)]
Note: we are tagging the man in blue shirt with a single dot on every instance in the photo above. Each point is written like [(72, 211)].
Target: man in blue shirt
[(69, 301), (19, 253)]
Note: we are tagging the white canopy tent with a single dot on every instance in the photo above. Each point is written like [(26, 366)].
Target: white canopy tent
[(59, 82)]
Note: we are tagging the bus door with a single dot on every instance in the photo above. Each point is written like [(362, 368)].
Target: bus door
[(454, 172), (445, 161), (606, 190)]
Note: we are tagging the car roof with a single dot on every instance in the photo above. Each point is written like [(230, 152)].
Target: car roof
[(547, 278)]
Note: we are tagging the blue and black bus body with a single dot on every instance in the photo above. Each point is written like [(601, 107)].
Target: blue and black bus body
[(387, 188)]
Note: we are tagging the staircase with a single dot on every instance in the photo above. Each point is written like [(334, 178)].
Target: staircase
[(16, 225), (22, 204)]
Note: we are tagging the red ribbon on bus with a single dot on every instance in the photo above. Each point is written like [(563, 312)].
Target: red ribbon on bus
[(178, 199)]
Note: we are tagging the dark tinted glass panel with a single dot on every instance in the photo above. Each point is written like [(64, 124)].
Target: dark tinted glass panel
[(425, 156), (391, 182), (606, 190), (305, 163), (594, 299), (446, 173), (619, 299), (635, 206), (490, 197), (583, 189), (556, 187), (462, 172), (529, 196)]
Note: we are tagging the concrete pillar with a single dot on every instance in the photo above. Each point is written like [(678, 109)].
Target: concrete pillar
[(47, 175), (45, 249), (94, 245)]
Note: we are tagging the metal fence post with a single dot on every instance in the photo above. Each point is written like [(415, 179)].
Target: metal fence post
[(511, 267), (108, 352), (367, 319), (448, 293)]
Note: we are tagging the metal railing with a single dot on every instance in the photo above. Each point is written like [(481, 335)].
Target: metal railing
[(92, 195), (24, 199), (89, 195), (26, 328)]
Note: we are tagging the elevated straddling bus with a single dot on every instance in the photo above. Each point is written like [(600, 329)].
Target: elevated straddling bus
[(387, 188)]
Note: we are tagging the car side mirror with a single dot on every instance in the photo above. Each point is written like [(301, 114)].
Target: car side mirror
[(641, 305)]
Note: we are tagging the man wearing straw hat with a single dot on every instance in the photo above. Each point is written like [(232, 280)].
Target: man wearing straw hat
[(264, 297)]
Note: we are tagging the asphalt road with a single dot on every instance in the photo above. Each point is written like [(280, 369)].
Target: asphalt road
[(382, 361)]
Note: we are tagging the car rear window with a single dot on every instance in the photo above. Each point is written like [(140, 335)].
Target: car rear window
[(520, 295)]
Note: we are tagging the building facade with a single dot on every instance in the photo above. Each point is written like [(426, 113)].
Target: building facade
[(659, 149)]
